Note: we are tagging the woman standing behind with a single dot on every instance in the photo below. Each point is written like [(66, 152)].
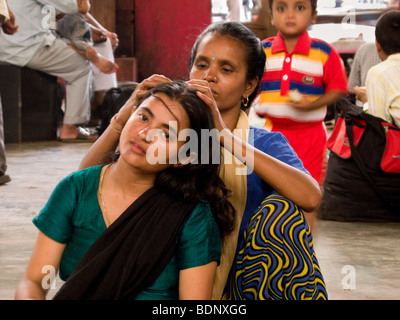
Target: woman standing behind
[(135, 230)]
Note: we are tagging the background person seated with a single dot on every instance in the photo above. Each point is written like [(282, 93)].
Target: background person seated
[(35, 46)]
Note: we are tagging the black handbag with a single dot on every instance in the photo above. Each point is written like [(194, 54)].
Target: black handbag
[(363, 174)]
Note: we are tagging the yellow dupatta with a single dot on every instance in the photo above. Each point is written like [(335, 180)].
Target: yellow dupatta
[(233, 173)]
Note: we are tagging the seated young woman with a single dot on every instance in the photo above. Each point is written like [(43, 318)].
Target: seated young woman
[(136, 228)]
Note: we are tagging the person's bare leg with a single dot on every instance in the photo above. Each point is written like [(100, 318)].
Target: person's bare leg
[(71, 132), (100, 62)]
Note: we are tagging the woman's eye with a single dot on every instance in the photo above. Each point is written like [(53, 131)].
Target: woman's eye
[(142, 117), (281, 8), (201, 65), (227, 70), (300, 7), (164, 134)]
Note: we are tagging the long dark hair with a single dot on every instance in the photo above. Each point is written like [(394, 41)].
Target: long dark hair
[(255, 55), (198, 180)]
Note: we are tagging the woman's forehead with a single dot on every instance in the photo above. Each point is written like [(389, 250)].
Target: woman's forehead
[(163, 108), (227, 47)]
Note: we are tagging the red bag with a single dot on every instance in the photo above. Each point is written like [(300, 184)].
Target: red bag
[(385, 132), (391, 157), (370, 144)]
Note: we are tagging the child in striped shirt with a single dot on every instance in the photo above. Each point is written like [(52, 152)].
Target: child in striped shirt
[(302, 76)]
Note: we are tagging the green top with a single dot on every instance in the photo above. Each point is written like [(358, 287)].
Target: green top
[(73, 216)]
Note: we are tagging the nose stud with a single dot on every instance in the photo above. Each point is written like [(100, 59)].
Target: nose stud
[(210, 78)]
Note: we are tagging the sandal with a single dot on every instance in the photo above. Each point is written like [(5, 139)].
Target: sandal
[(84, 135)]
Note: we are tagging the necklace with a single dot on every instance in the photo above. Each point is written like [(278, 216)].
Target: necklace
[(107, 220)]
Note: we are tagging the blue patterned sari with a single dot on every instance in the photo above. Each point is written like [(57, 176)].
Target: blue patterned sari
[(277, 260)]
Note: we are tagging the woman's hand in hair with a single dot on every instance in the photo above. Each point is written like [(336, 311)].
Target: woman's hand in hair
[(100, 151), (204, 93), (141, 89)]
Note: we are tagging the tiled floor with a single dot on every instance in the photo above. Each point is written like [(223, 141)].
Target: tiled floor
[(358, 260)]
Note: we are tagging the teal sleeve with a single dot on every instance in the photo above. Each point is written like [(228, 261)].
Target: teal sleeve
[(54, 220), (200, 241)]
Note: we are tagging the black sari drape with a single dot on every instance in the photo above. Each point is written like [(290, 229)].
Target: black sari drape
[(131, 253)]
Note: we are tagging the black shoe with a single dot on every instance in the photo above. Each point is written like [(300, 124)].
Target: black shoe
[(4, 178)]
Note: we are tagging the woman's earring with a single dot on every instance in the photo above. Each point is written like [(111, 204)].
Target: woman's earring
[(245, 101)]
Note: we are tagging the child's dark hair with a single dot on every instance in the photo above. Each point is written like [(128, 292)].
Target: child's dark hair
[(387, 32), (313, 5), (255, 55), (199, 180)]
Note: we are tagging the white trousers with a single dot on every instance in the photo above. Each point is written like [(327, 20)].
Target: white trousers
[(102, 81), (60, 60)]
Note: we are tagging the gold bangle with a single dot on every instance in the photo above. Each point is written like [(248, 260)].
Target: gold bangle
[(115, 125)]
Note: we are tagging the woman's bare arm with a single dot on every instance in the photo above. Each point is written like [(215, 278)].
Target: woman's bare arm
[(290, 182), (43, 264), (197, 283)]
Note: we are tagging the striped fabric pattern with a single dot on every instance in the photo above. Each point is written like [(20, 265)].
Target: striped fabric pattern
[(311, 66), (277, 260)]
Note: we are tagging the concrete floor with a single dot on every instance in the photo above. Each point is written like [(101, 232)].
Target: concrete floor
[(359, 261)]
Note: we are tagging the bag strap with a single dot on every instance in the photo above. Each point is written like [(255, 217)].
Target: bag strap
[(360, 163)]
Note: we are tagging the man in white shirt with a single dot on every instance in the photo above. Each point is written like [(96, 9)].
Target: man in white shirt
[(365, 58), (8, 26), (382, 96), (35, 46)]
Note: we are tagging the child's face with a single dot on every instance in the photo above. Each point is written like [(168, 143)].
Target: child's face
[(292, 17)]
